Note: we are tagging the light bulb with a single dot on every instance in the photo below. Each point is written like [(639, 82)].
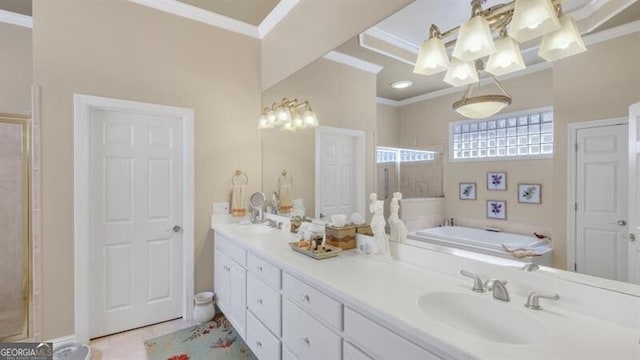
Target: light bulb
[(271, 117)]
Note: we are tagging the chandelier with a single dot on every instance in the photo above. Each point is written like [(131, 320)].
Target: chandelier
[(289, 115), (515, 22)]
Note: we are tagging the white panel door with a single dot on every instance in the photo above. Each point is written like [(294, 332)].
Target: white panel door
[(634, 193), (337, 174), (136, 200), (601, 194)]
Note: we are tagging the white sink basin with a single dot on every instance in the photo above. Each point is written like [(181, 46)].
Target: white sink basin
[(254, 229), (484, 317)]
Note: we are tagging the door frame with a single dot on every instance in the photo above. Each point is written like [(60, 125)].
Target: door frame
[(83, 104), (572, 155), (360, 166)]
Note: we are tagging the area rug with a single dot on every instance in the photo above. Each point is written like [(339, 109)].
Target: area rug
[(215, 339)]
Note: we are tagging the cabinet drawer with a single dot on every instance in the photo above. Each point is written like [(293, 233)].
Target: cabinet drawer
[(305, 337), (263, 344), (350, 352), (266, 272), (264, 302), (232, 250), (379, 341), (313, 301)]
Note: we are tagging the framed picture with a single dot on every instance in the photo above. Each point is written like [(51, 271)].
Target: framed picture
[(530, 193), (497, 209), (497, 181), (467, 191)]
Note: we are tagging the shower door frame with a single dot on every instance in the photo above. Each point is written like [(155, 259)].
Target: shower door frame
[(27, 281)]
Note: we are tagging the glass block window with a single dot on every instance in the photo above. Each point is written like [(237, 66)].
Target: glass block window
[(527, 134), (388, 154)]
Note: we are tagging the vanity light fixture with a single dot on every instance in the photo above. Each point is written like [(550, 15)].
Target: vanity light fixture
[(401, 84), (289, 115), (514, 22)]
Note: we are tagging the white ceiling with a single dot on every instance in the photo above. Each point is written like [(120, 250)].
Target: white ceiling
[(412, 22), (408, 27), (248, 11)]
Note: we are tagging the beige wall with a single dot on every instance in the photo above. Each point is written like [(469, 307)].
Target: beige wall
[(387, 126), (598, 84), (118, 49), (427, 125), (315, 27), (343, 97), (16, 68)]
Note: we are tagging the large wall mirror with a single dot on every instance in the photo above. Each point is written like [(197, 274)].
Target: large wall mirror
[(350, 88)]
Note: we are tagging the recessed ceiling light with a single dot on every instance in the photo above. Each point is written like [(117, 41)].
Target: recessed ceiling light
[(402, 84)]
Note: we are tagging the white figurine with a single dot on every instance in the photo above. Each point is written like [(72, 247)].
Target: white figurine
[(376, 207), (398, 228)]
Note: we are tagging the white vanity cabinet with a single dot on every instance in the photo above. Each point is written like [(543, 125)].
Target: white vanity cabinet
[(230, 283), (282, 316)]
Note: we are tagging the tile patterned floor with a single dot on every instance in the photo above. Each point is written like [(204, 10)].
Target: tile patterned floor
[(129, 345)]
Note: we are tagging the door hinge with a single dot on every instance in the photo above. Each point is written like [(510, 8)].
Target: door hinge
[(575, 267), (576, 147), (575, 206)]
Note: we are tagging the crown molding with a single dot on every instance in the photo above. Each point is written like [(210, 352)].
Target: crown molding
[(353, 62), (609, 34), (388, 102), (197, 14), (588, 9), (12, 18), (276, 15), (401, 43)]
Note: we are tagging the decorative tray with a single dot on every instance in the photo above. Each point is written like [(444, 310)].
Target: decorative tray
[(316, 255)]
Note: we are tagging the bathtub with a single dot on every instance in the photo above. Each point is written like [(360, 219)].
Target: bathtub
[(485, 242)]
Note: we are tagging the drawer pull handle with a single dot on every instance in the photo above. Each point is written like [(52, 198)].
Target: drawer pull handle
[(306, 298), (259, 268), (259, 344), (306, 341), (260, 301)]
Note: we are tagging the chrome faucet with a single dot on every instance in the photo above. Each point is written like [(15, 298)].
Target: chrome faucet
[(499, 289), (530, 267), (533, 301), (273, 224), (478, 285)]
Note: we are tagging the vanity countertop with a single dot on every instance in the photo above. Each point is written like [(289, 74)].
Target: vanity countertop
[(388, 293)]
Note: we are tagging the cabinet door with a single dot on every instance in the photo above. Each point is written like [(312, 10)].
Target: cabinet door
[(221, 274), (238, 298)]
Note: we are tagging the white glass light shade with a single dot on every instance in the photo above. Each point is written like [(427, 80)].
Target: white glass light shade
[(474, 40), (461, 73), (432, 57), (481, 107), (310, 119), (271, 118), (284, 115), (562, 43), (298, 122), (506, 59), (532, 18), (262, 122)]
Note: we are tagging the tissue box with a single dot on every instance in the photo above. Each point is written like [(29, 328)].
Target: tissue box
[(364, 229), (342, 237)]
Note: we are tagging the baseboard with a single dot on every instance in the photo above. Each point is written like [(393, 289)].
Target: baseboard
[(62, 340)]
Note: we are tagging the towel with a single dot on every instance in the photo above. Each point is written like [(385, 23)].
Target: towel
[(238, 186), (521, 252)]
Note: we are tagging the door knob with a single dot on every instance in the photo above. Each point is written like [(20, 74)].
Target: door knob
[(176, 228), (632, 237), (622, 222)]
